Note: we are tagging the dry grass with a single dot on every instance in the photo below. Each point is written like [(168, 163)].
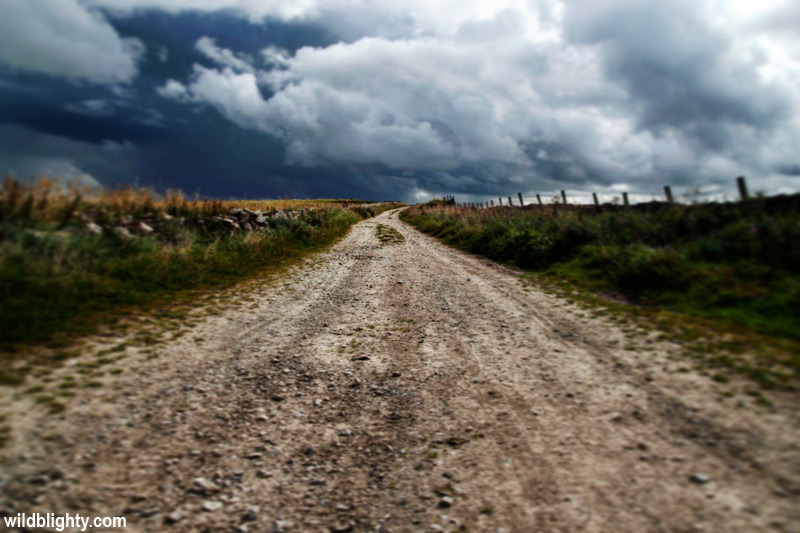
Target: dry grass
[(52, 201), (61, 275)]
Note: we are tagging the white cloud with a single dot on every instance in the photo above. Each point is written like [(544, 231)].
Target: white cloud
[(234, 94), (352, 19), (430, 104), (174, 90), (515, 90), (63, 38), (222, 56)]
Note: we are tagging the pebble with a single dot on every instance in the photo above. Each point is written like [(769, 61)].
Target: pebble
[(446, 502), (251, 514), (282, 525), (700, 479), (203, 486), (174, 517), (211, 506)]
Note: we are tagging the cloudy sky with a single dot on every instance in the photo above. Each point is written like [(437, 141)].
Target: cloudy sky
[(405, 99)]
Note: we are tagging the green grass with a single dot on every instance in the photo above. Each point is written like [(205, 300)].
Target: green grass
[(388, 235), (58, 281), (731, 268), (50, 283)]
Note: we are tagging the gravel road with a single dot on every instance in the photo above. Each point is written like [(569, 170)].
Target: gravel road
[(402, 387)]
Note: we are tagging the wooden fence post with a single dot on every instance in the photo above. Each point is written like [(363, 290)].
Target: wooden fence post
[(668, 193), (500, 199), (594, 195), (564, 196), (509, 202), (521, 204), (742, 184), (625, 199), (492, 202), (539, 199)]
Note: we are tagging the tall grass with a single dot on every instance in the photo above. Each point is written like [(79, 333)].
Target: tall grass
[(739, 263), (56, 277)]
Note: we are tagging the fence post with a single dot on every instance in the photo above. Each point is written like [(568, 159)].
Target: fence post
[(668, 192), (625, 199), (564, 196), (521, 204), (594, 195), (742, 184), (539, 199), (510, 204), (492, 202)]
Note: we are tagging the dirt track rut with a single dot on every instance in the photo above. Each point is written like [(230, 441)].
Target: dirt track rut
[(406, 387)]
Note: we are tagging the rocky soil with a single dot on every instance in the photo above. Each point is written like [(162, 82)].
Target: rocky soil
[(402, 386), (234, 220)]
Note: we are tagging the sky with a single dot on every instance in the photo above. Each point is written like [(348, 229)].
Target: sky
[(404, 100)]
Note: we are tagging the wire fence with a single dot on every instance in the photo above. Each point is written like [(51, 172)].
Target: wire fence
[(563, 198)]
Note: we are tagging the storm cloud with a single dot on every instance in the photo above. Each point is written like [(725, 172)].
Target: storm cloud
[(425, 98), (65, 39)]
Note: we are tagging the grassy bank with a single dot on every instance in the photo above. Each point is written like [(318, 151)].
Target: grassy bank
[(737, 265), (70, 259)]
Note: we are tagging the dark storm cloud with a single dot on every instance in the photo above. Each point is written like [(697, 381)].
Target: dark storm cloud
[(790, 170), (67, 120), (28, 154), (680, 72), (131, 134), (408, 99)]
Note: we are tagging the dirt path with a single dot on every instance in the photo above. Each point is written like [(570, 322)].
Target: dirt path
[(405, 387)]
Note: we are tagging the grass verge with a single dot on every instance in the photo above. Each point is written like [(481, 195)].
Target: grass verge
[(722, 278), (58, 281)]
